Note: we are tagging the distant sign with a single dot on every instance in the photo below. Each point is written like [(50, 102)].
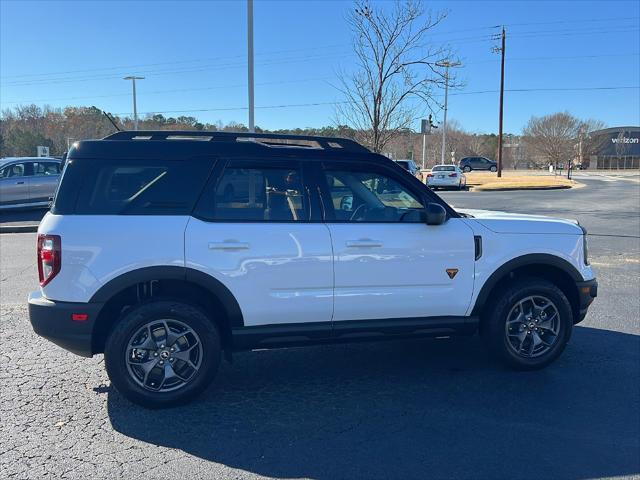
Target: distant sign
[(42, 151), (425, 126)]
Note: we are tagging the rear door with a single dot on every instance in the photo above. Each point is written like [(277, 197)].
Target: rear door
[(388, 264), (258, 231), (14, 184), (43, 183)]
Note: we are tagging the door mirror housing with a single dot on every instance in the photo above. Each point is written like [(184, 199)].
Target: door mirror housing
[(434, 214)]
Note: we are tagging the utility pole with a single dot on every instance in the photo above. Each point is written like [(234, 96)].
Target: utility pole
[(446, 64), (501, 49), (133, 79), (252, 127)]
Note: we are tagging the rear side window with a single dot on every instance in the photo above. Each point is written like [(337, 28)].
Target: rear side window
[(258, 192), (46, 168), (133, 187)]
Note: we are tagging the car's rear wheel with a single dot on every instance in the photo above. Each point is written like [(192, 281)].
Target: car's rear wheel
[(466, 169), (162, 353), (529, 324)]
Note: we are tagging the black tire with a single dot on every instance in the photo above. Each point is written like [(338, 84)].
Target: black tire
[(117, 344), (494, 328), (493, 168), (466, 169)]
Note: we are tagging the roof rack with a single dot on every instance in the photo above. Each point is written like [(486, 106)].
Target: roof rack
[(266, 139)]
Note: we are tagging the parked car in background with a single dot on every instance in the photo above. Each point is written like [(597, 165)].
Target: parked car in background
[(446, 176), (478, 163), (28, 181), (411, 167)]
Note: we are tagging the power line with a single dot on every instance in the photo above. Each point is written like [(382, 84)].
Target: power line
[(553, 89), (206, 59), (305, 58), (225, 109), (563, 22), (173, 90), (280, 82), (314, 104), (568, 57)]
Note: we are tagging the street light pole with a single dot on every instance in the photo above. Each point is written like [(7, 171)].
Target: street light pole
[(133, 79), (446, 64), (252, 127)]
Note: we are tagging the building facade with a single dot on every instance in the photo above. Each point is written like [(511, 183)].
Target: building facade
[(612, 149)]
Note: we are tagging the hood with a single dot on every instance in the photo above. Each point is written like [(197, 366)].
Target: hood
[(502, 222)]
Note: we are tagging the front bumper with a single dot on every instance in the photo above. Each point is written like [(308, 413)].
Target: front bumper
[(587, 292), (54, 321)]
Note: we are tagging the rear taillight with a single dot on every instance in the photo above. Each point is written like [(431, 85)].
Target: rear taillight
[(49, 257), (453, 175), (429, 174)]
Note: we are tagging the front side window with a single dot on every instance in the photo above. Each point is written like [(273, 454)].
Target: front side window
[(361, 196), (247, 192), (15, 170)]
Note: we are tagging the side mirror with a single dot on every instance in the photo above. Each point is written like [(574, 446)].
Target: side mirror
[(346, 204), (435, 214)]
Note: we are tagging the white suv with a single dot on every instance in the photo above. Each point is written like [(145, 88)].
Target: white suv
[(148, 256)]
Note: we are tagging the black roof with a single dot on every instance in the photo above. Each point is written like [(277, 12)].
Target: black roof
[(183, 143)]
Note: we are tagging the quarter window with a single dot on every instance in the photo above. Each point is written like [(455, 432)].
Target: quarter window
[(260, 193), (370, 197), (132, 187)]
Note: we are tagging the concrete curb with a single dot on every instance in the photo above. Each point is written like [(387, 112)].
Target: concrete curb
[(509, 189), (18, 228)]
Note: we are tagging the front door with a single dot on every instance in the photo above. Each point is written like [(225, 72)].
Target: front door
[(257, 234), (388, 263), (14, 184)]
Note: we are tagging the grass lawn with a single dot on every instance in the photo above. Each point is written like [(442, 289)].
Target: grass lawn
[(517, 181)]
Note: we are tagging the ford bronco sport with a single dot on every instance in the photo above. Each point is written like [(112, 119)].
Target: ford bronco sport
[(168, 250)]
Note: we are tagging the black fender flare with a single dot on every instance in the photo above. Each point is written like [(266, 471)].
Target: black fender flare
[(518, 262), (189, 275)]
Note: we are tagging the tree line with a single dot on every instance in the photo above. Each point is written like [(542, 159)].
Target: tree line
[(548, 139)]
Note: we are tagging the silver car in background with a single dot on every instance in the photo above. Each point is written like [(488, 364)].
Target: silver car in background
[(28, 181)]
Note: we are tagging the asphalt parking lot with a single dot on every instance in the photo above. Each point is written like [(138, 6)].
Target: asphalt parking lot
[(402, 409)]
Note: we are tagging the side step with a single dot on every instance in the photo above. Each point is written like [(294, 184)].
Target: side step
[(298, 334)]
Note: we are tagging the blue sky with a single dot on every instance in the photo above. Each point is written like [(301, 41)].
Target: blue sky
[(193, 55)]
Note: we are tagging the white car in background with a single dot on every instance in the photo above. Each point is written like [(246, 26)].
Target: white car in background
[(446, 176)]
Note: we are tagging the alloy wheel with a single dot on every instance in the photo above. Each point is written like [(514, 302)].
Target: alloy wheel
[(533, 326), (163, 355)]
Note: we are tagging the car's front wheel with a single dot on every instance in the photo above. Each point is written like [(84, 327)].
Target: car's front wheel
[(529, 324), (493, 168), (162, 353)]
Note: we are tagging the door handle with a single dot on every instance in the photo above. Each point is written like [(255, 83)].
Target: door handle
[(19, 183), (228, 245), (364, 242)]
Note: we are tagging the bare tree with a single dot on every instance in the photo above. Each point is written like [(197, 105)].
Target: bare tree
[(553, 136), (395, 64), (591, 143)]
